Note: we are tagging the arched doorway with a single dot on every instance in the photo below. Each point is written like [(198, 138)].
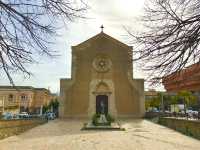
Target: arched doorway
[(101, 103), (102, 90)]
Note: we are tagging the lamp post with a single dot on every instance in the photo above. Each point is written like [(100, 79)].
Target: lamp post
[(19, 102), (3, 104), (162, 103)]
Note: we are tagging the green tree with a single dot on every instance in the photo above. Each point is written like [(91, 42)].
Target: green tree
[(154, 102), (174, 100), (54, 104), (45, 108), (147, 104), (167, 100), (188, 98)]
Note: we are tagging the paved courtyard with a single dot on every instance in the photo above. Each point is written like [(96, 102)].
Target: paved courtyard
[(66, 135)]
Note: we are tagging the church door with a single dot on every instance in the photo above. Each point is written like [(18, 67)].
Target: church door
[(102, 104)]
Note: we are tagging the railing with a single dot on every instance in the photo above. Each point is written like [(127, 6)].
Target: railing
[(173, 114), (185, 115)]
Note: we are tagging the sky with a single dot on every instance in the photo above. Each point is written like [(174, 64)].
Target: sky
[(113, 14)]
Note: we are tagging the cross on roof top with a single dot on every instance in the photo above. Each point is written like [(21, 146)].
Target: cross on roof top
[(102, 27)]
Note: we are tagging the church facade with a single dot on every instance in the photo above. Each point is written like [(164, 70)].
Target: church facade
[(102, 73)]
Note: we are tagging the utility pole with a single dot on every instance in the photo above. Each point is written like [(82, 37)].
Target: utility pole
[(162, 103), (19, 102), (3, 104)]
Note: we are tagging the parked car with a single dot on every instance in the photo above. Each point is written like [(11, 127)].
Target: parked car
[(7, 115), (16, 116), (50, 115), (191, 113), (154, 109), (23, 115), (35, 116)]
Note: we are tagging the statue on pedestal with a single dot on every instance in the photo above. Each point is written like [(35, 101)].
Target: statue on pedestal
[(102, 118)]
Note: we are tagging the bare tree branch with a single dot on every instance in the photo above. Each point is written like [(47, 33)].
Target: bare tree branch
[(27, 28), (170, 38)]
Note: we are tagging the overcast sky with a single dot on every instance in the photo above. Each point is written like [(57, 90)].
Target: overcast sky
[(113, 14)]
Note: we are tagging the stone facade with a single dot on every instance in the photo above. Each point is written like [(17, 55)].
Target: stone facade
[(101, 66), (23, 98)]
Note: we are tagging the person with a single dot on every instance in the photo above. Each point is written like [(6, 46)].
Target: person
[(198, 114)]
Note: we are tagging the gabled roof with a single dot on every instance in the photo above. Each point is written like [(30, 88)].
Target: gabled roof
[(104, 35)]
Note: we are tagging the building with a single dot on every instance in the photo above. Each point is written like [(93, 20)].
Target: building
[(23, 98), (186, 79), (102, 76)]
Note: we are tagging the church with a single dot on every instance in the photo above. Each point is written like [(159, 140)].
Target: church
[(102, 73)]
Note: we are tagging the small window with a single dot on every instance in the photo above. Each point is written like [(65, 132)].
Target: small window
[(23, 97)]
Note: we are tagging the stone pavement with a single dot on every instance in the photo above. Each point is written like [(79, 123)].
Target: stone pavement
[(66, 135)]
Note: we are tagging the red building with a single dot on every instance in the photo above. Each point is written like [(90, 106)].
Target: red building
[(186, 79)]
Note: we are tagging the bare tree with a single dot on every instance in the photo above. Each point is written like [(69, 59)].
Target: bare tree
[(27, 28), (170, 37)]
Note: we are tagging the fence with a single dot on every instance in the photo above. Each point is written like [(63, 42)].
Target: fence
[(194, 116)]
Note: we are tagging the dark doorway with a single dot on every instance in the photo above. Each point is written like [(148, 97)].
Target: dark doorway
[(101, 99)]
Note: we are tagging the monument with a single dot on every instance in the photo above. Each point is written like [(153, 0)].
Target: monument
[(101, 80), (102, 118)]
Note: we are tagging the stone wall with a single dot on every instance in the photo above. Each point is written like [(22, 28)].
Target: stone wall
[(14, 127), (150, 115), (188, 127)]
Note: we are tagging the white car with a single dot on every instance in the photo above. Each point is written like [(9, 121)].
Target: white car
[(23, 115), (191, 113)]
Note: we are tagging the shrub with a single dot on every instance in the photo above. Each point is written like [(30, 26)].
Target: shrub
[(110, 118), (96, 117)]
